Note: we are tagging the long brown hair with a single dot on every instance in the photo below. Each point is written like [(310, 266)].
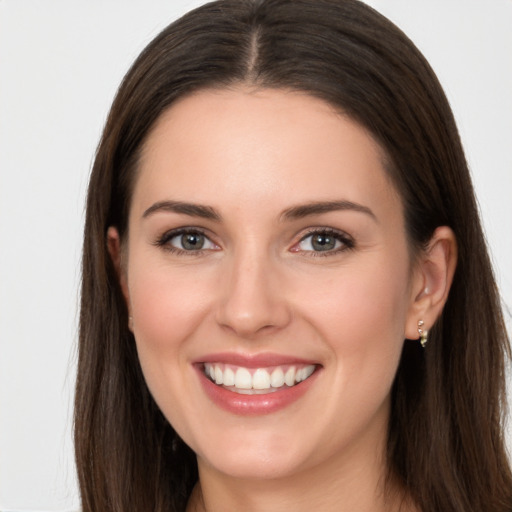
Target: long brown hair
[(446, 426)]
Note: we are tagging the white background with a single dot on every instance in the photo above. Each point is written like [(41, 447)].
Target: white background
[(60, 64)]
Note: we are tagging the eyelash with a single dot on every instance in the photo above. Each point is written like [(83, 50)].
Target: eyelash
[(340, 236), (346, 241), (164, 240)]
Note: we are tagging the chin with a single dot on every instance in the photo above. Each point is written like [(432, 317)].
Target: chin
[(255, 457), (250, 466)]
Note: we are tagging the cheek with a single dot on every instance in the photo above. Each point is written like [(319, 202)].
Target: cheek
[(367, 300), (167, 306), (361, 315)]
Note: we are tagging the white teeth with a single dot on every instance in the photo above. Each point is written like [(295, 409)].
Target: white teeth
[(277, 378), (243, 379), (308, 371), (229, 377), (218, 375), (289, 377), (239, 378), (261, 379)]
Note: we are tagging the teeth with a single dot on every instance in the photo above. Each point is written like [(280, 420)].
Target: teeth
[(289, 376), (229, 377), (243, 379), (246, 380), (277, 378), (218, 375), (261, 379), (308, 371)]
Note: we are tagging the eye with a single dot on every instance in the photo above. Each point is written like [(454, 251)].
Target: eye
[(189, 241), (186, 241), (327, 241)]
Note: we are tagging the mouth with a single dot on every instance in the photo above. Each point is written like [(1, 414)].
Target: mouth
[(257, 381), (256, 385)]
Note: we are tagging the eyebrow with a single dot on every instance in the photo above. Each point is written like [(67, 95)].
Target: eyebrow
[(191, 209), (293, 213), (316, 208)]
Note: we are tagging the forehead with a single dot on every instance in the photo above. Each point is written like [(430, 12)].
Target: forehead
[(247, 148)]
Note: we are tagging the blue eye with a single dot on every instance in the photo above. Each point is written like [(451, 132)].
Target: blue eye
[(327, 241), (188, 241), (183, 241)]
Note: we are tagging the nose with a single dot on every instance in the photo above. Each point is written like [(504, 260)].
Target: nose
[(252, 301)]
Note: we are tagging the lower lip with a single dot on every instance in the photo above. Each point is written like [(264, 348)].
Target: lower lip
[(252, 405)]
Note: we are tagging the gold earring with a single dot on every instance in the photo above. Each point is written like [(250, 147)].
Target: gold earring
[(423, 334)]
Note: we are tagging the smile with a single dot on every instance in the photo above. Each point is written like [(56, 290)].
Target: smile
[(256, 384), (251, 381)]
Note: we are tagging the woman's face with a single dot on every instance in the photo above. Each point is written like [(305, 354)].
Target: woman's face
[(267, 246)]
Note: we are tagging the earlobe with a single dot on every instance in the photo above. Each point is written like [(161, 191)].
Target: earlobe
[(114, 250), (432, 282)]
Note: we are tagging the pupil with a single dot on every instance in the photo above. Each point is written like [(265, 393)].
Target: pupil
[(192, 241), (323, 242)]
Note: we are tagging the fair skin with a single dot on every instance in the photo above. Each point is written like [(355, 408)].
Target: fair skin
[(262, 281)]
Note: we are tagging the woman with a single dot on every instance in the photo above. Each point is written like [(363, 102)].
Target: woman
[(279, 200)]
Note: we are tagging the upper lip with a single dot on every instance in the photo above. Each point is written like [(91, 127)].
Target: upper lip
[(266, 359)]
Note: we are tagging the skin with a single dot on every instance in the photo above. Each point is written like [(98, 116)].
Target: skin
[(258, 286)]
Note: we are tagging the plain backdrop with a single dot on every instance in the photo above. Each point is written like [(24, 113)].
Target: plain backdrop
[(60, 64)]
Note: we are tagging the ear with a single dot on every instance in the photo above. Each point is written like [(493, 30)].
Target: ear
[(115, 251), (432, 279)]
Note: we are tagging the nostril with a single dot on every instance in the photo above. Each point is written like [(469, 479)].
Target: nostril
[(251, 302), (260, 319)]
